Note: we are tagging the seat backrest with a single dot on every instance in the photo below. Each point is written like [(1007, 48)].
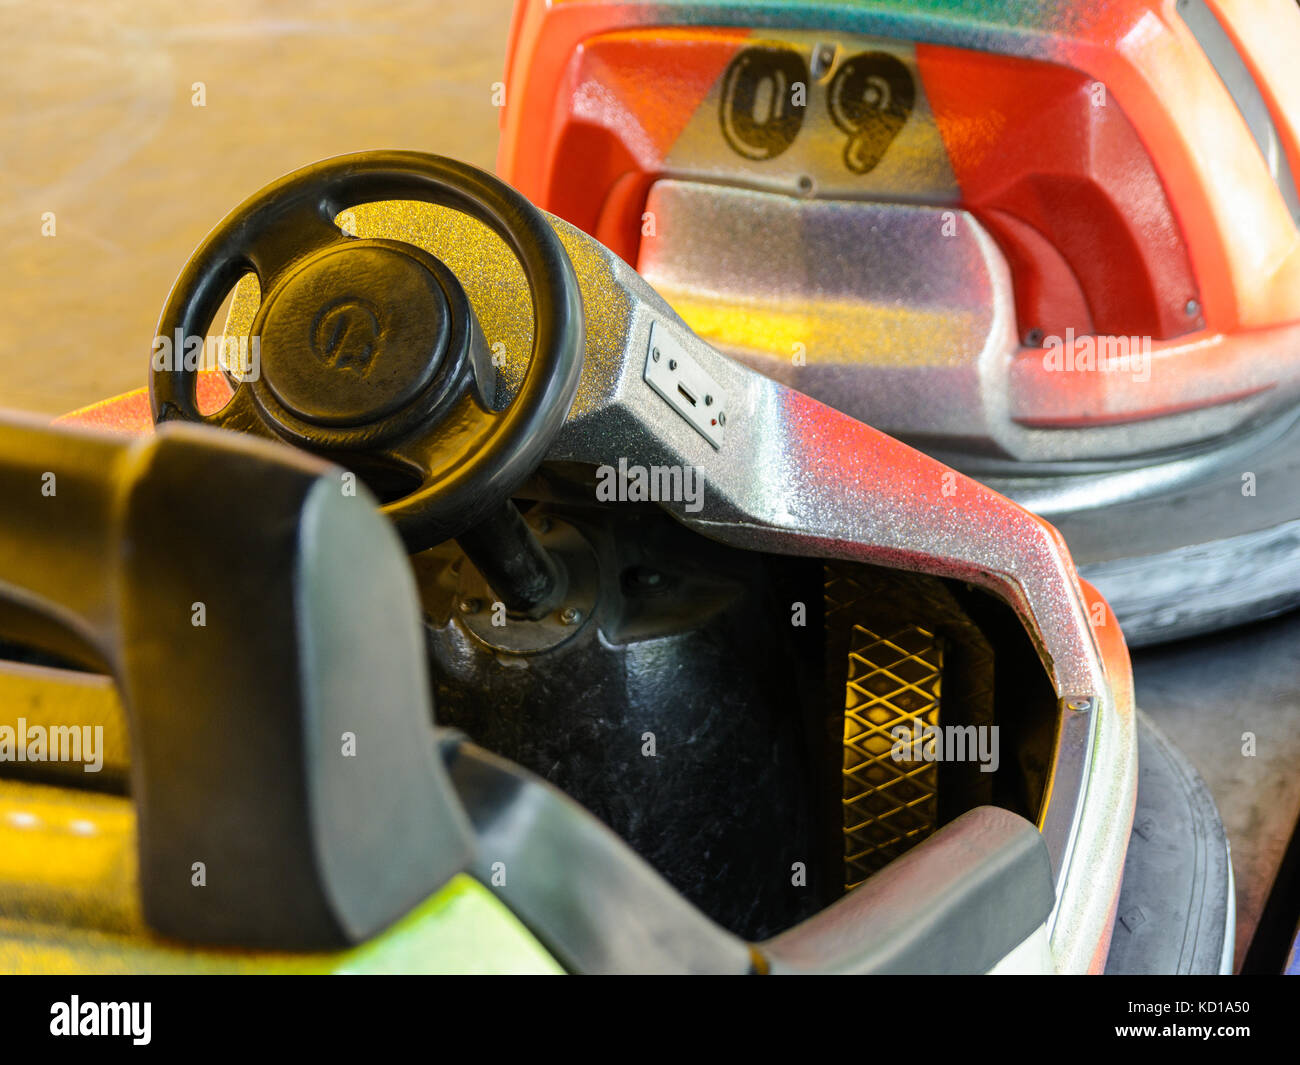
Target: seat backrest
[(260, 619)]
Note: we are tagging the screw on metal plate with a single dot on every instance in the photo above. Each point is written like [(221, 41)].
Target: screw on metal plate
[(823, 58), (655, 355), (1193, 308), (1079, 704), (469, 606), (570, 615)]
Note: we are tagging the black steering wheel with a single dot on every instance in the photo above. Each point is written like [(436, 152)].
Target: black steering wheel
[(366, 345)]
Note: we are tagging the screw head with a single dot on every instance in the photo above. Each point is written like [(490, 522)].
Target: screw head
[(722, 418), (469, 606), (1079, 704), (1193, 308), (570, 615), (822, 58), (655, 354), (672, 364)]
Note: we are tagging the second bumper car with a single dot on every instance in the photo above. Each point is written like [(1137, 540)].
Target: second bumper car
[(1055, 246)]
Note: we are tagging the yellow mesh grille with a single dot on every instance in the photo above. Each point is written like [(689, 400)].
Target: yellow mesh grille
[(888, 805)]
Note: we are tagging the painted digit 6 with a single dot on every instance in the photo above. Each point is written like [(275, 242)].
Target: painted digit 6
[(760, 115)]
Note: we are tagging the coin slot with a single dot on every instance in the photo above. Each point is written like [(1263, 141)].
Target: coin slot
[(672, 371)]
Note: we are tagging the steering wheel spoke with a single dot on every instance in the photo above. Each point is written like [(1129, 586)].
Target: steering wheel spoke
[(298, 233), (239, 414), (459, 435), (448, 460)]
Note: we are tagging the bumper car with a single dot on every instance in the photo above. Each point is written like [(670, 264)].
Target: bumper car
[(477, 615), (1053, 245)]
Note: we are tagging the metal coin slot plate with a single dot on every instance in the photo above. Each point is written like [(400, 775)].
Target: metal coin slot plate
[(685, 385)]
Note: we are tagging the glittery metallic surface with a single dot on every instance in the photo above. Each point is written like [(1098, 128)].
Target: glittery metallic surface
[(900, 316), (906, 318), (1086, 900)]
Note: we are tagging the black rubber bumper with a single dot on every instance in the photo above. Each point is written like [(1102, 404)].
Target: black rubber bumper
[(1177, 908), (1184, 545)]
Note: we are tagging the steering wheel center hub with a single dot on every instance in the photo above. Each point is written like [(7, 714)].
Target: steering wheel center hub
[(353, 334)]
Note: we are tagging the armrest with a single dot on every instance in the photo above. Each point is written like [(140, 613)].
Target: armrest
[(956, 903)]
